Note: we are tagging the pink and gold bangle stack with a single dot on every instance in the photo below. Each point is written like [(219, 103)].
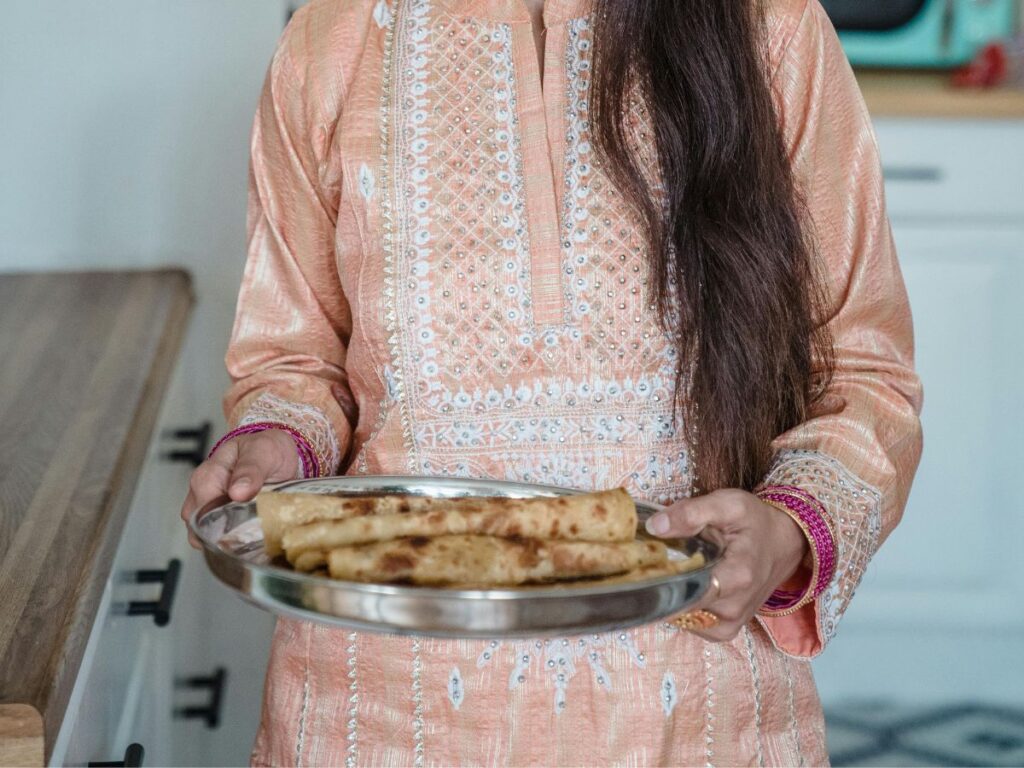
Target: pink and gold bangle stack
[(311, 463), (807, 512)]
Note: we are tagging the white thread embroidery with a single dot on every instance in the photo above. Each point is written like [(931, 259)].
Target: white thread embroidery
[(755, 679), (352, 753), (709, 707), (457, 282), (410, 62), (366, 181), (456, 690), (387, 237), (382, 14), (417, 699), (669, 696), (307, 419), (856, 511), (560, 660)]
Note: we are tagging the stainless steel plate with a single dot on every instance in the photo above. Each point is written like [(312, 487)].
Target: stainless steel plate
[(233, 545)]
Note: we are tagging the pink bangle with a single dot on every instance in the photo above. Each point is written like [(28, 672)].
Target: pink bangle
[(820, 536), (810, 515), (308, 457), (822, 543)]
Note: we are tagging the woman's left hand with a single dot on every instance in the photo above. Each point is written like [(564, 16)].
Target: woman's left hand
[(764, 547)]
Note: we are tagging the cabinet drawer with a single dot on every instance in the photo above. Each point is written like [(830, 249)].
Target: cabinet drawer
[(124, 690), (948, 169), (122, 675), (106, 721)]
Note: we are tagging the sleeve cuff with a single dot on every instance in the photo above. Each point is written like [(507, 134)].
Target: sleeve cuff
[(854, 510), (308, 420)]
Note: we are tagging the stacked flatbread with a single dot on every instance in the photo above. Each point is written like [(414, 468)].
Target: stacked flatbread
[(485, 542)]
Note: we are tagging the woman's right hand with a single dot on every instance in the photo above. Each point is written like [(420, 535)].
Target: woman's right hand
[(239, 468)]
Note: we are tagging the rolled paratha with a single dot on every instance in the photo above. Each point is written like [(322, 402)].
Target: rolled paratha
[(644, 573), (307, 522), (604, 517), (278, 510), (310, 561), (488, 560)]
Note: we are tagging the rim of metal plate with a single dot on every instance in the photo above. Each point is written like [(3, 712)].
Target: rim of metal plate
[(361, 606)]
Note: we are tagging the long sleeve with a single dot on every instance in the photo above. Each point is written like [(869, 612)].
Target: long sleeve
[(286, 355), (859, 450)]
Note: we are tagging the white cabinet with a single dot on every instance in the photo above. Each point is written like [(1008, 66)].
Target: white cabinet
[(968, 170), (123, 691), (220, 631), (129, 689), (939, 615)]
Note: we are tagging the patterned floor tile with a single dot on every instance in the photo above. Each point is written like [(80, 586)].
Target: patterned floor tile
[(888, 734)]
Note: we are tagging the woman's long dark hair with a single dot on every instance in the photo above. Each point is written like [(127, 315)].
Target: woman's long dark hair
[(732, 268)]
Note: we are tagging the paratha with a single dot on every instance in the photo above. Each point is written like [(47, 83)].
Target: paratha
[(313, 561), (279, 511), (603, 517), (303, 522), (488, 560)]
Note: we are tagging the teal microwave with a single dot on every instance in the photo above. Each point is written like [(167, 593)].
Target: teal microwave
[(919, 33)]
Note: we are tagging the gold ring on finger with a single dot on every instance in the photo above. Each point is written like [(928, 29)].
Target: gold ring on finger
[(717, 586), (696, 620)]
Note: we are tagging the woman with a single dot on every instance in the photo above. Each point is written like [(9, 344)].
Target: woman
[(587, 243)]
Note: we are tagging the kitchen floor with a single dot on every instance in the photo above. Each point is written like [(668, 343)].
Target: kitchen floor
[(874, 733)]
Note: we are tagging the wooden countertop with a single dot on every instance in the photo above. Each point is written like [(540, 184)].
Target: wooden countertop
[(898, 93), (85, 360), (21, 735)]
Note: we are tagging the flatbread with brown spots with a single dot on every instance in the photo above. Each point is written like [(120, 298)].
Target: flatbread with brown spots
[(279, 511), (315, 522), (489, 560)]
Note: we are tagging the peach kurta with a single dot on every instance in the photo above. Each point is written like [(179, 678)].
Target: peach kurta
[(441, 281)]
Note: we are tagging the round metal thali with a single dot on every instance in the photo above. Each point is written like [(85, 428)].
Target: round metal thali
[(232, 542)]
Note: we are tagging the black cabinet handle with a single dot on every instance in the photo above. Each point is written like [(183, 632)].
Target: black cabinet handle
[(159, 609), (132, 759), (194, 454), (210, 713)]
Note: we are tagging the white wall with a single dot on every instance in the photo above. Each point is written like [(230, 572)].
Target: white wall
[(124, 131)]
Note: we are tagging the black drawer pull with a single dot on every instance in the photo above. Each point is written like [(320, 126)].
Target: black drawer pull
[(159, 609), (209, 714), (132, 758), (194, 454), (919, 174)]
